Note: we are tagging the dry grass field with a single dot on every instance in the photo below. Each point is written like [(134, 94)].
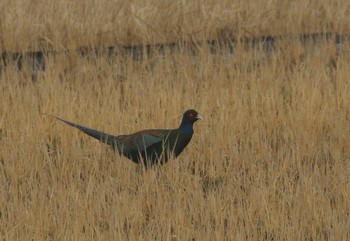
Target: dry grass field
[(270, 160), (28, 25)]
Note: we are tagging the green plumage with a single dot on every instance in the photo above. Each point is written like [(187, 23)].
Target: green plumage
[(149, 147)]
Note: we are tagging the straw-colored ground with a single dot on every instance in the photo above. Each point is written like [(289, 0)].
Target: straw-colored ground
[(270, 161), (52, 24)]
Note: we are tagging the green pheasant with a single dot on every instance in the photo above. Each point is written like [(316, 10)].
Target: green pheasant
[(149, 147)]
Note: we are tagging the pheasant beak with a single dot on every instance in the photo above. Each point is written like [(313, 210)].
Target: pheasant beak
[(199, 117)]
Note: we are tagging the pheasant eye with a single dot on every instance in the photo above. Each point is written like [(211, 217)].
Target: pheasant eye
[(191, 115)]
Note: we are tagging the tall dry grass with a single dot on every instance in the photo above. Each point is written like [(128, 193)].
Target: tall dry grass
[(33, 25), (270, 161)]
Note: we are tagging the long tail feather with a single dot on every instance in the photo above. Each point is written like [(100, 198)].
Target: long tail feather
[(101, 136)]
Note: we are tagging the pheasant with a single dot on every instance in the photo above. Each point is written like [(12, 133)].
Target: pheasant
[(149, 147)]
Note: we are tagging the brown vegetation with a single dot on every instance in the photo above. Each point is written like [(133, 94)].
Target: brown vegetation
[(270, 161), (57, 25)]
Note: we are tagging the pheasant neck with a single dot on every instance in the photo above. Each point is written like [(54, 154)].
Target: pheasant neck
[(186, 127)]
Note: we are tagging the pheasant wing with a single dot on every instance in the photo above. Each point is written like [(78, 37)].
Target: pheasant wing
[(144, 141)]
